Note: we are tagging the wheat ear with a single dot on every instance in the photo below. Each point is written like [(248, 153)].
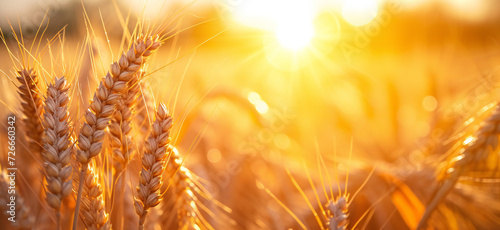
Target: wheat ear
[(24, 219), (122, 145), (120, 126), (93, 212), (478, 150), (104, 104), (187, 209), (337, 214), (32, 108), (157, 148), (57, 145)]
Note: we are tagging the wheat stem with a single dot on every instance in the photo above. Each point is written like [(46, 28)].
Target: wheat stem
[(78, 199)]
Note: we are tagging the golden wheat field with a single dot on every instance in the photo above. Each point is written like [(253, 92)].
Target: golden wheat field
[(250, 114)]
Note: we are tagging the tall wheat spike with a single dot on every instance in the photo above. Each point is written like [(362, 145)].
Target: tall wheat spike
[(32, 108), (476, 151), (122, 145), (121, 125), (105, 100), (157, 149), (57, 145)]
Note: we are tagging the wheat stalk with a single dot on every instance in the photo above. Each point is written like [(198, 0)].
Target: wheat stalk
[(475, 151), (57, 145), (105, 100), (31, 107), (157, 148)]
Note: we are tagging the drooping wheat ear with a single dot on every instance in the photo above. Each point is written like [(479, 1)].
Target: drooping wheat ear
[(472, 152), (57, 145), (120, 126), (337, 214), (185, 200), (104, 103), (93, 212), (32, 108), (24, 219), (157, 149)]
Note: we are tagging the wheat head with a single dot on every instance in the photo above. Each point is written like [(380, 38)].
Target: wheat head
[(32, 108), (473, 152), (121, 125), (57, 144), (337, 214), (93, 211), (157, 149)]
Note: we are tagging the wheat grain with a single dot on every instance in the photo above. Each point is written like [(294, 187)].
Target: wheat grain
[(157, 149), (57, 145), (31, 107)]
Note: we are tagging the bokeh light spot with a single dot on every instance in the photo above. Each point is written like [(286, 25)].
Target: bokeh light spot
[(214, 155), (429, 103)]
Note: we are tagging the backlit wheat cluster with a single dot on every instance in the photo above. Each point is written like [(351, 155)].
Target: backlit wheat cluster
[(71, 159)]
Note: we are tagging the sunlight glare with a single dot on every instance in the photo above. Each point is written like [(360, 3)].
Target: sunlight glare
[(295, 28), (290, 21), (295, 35), (359, 12)]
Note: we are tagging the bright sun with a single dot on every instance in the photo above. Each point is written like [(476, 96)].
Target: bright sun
[(295, 35), (292, 25)]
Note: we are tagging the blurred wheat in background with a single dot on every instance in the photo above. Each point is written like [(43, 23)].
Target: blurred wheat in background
[(251, 114)]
